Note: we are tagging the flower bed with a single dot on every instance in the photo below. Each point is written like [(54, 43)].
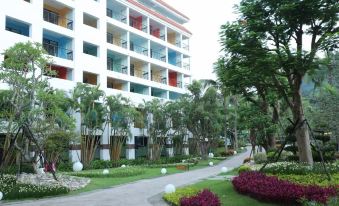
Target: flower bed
[(116, 172), (270, 188), (312, 179), (174, 198), (12, 189), (203, 198)]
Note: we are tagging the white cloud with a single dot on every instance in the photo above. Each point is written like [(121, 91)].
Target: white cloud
[(206, 17)]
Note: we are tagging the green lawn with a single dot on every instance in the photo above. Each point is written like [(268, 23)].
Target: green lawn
[(101, 183)]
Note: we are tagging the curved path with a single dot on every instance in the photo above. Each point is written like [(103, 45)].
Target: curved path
[(136, 193)]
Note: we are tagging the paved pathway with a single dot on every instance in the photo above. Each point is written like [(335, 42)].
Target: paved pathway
[(138, 193)]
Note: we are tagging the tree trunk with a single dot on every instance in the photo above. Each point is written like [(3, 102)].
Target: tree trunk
[(225, 123), (302, 133)]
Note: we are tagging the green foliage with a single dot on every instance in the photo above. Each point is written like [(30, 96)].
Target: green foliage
[(334, 201), (13, 169), (260, 157), (113, 173), (174, 198), (300, 168), (14, 190), (57, 143), (244, 168), (311, 179)]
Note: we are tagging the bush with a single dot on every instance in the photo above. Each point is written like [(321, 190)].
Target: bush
[(283, 156), (113, 173), (260, 158), (270, 188), (244, 168), (312, 179), (174, 198), (203, 198), (100, 164), (247, 159), (331, 202), (299, 168), (25, 167), (13, 190), (65, 166)]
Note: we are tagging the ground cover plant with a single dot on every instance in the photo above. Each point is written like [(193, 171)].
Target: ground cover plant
[(11, 189), (272, 189), (113, 173), (203, 198)]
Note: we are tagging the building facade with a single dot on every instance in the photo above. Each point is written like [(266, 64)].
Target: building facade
[(138, 48)]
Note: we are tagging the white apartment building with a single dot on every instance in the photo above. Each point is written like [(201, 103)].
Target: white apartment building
[(138, 48)]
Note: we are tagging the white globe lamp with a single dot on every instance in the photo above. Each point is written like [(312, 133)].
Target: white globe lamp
[(163, 171), (123, 166), (210, 155), (77, 166), (170, 188), (224, 169), (1, 195), (210, 164), (235, 152), (105, 171)]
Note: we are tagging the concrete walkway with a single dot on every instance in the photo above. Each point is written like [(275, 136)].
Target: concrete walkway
[(139, 193)]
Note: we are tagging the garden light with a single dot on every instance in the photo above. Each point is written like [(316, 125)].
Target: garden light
[(77, 166), (170, 188), (163, 171)]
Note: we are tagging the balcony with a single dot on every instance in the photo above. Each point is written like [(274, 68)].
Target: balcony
[(174, 95), (117, 84), (116, 11), (185, 43), (158, 52), (139, 89), (138, 44), (155, 92), (90, 20), (116, 36), (175, 79), (57, 45), (61, 72), (117, 62), (90, 78), (139, 69), (58, 14), (158, 74), (138, 21), (174, 58), (17, 26), (90, 49), (157, 30), (173, 37)]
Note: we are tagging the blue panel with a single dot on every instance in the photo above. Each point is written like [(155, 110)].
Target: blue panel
[(172, 56)]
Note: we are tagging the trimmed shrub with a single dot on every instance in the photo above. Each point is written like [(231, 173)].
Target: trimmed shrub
[(113, 173), (203, 198), (270, 188), (65, 166), (244, 168), (299, 168), (260, 158), (174, 198), (312, 179), (13, 190)]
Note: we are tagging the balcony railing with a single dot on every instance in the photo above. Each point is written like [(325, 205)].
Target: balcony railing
[(116, 41), (158, 56), (116, 67), (116, 15), (139, 73), (186, 66), (55, 18), (179, 84), (57, 51), (138, 25), (138, 49), (185, 46), (159, 79)]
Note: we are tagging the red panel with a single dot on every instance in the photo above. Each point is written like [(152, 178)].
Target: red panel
[(156, 33), (172, 79), (61, 72), (137, 22)]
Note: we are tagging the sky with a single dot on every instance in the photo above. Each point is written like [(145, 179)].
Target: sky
[(206, 17)]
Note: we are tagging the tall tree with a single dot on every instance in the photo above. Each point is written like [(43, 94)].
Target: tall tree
[(88, 101), (280, 28), (121, 114)]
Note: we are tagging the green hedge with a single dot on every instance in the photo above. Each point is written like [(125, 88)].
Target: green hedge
[(113, 173), (312, 179)]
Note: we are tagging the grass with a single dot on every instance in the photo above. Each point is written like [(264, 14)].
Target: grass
[(102, 183), (226, 193)]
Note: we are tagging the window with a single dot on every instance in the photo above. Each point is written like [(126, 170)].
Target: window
[(90, 49), (17, 26)]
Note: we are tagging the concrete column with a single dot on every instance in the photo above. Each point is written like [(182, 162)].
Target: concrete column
[(104, 144), (169, 147), (130, 148)]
